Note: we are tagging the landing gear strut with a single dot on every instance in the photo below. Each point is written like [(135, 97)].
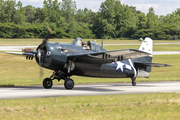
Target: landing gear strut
[(68, 84), (133, 81)]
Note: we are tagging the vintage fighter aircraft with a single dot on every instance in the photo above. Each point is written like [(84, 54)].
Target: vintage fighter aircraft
[(92, 61)]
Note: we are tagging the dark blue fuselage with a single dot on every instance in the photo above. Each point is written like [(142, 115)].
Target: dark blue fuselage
[(56, 59)]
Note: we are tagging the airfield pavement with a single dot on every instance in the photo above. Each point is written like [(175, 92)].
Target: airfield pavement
[(89, 89)]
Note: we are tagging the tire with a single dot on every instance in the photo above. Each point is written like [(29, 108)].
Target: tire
[(133, 83), (69, 84), (47, 83)]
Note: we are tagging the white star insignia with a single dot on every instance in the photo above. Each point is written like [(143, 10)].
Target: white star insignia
[(120, 65)]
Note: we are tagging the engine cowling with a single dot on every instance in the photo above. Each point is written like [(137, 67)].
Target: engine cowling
[(51, 57)]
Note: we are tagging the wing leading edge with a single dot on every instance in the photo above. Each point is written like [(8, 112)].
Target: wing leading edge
[(20, 53)]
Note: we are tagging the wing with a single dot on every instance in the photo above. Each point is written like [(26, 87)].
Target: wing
[(20, 53), (108, 56)]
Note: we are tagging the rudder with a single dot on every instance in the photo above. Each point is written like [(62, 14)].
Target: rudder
[(147, 45)]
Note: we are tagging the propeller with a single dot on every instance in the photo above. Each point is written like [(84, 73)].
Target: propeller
[(41, 51), (41, 73), (46, 38)]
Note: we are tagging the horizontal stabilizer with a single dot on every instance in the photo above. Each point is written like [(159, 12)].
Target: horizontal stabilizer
[(152, 64)]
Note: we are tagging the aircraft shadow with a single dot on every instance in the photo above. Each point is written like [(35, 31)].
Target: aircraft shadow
[(61, 87), (90, 89)]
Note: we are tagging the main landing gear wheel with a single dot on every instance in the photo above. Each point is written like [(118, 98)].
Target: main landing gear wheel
[(47, 83), (133, 81), (69, 84)]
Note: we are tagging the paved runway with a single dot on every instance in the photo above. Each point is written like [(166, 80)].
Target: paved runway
[(19, 48), (89, 89), (141, 43), (165, 52)]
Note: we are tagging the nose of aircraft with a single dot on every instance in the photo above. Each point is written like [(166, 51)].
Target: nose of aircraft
[(41, 54)]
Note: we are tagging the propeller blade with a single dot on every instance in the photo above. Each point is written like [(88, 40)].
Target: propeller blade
[(39, 56), (41, 73), (40, 51), (46, 38)]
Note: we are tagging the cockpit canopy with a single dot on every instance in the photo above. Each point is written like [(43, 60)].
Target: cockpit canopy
[(92, 45), (77, 42)]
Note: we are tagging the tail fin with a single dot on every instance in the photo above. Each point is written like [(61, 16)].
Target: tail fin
[(143, 70), (143, 65), (147, 45)]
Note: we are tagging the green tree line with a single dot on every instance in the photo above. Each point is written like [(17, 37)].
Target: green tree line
[(113, 20)]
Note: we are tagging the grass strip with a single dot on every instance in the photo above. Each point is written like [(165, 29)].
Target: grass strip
[(136, 106)]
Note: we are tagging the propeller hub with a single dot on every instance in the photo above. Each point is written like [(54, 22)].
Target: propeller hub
[(40, 57)]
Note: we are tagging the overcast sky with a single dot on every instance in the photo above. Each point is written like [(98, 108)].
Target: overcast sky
[(162, 7)]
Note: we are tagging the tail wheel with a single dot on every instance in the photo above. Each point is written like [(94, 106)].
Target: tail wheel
[(47, 83), (133, 81), (69, 84)]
